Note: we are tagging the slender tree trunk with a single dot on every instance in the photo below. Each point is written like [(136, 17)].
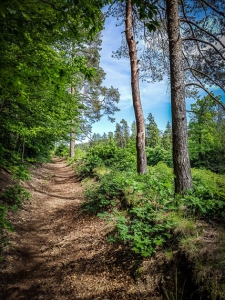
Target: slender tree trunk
[(200, 154), (140, 138), (23, 151), (181, 160), (72, 134)]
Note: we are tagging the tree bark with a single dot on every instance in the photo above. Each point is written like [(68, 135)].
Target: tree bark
[(140, 138), (72, 134), (23, 151), (181, 160)]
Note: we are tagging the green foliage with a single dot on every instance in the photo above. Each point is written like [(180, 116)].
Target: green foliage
[(4, 225), (11, 199), (140, 228), (167, 137), (143, 209), (79, 154), (208, 195), (105, 194), (157, 154), (20, 172), (153, 138), (108, 155), (37, 71), (14, 196), (62, 150), (87, 166), (122, 134), (206, 138), (146, 13)]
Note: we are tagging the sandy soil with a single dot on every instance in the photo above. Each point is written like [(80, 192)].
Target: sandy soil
[(56, 252)]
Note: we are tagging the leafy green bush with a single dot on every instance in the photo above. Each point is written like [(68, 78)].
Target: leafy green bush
[(14, 196), (4, 225), (20, 172), (62, 150), (157, 154), (105, 194), (87, 166), (140, 228), (107, 155), (10, 200), (79, 154), (208, 195), (147, 212), (114, 157), (106, 151)]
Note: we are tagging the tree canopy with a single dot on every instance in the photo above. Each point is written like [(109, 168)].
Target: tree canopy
[(36, 107)]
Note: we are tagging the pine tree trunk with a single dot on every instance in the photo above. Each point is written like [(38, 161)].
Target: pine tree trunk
[(72, 134), (140, 138), (181, 160)]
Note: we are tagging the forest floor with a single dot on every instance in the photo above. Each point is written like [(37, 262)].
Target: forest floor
[(58, 252)]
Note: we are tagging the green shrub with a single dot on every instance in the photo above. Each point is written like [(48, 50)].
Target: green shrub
[(20, 172), (140, 228), (4, 225), (149, 211), (208, 195), (14, 196), (114, 157), (104, 194), (62, 150), (79, 154), (87, 166), (157, 154), (10, 200)]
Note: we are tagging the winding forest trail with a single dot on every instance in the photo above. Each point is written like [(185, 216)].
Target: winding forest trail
[(56, 252)]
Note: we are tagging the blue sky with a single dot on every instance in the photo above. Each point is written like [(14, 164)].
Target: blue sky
[(155, 97)]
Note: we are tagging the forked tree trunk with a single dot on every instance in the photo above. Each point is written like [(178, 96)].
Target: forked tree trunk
[(72, 133), (181, 160), (140, 138)]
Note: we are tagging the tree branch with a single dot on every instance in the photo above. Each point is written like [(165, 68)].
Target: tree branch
[(206, 75), (213, 8), (204, 42), (90, 98), (201, 86), (202, 29), (193, 33)]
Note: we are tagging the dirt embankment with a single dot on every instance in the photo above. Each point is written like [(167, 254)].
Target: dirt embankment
[(56, 252)]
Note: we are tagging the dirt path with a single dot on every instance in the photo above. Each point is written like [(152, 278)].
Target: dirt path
[(57, 252)]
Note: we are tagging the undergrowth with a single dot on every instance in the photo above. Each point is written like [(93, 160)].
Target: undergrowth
[(11, 200), (142, 209)]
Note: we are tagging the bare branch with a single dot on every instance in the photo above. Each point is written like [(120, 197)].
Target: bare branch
[(205, 75), (90, 98), (84, 133), (202, 29), (204, 42), (213, 8), (201, 86), (193, 33)]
